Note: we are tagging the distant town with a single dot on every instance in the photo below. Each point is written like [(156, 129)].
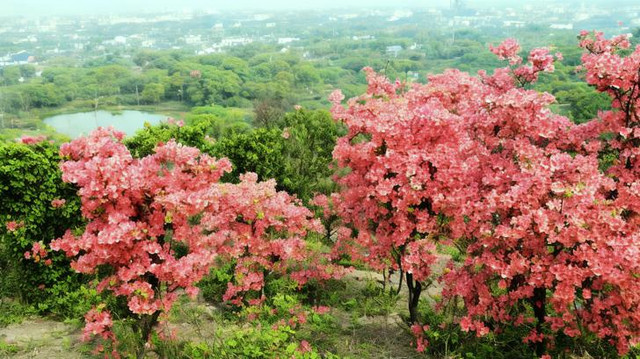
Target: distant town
[(26, 40)]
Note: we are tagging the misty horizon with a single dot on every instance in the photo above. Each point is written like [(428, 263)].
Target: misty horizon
[(29, 8)]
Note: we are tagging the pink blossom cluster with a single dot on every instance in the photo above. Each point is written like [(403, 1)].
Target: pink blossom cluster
[(38, 253), (539, 60), (484, 164), (13, 226), (98, 324), (418, 332), (507, 50), (172, 121), (141, 212), (58, 202), (32, 140)]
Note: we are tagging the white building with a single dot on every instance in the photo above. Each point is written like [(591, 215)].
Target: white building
[(120, 40), (513, 23), (561, 26), (193, 39), (287, 40), (235, 41)]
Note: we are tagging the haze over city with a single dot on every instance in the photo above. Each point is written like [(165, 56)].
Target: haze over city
[(93, 7)]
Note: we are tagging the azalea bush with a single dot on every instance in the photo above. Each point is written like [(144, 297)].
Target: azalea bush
[(482, 164), (158, 224)]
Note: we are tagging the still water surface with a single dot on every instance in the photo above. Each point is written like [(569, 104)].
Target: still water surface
[(79, 124)]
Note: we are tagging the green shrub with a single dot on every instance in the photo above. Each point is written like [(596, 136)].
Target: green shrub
[(144, 142), (213, 286), (29, 181), (12, 311)]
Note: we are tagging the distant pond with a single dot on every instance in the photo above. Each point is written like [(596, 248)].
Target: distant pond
[(79, 124)]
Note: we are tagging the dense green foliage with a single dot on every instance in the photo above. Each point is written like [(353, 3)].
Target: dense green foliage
[(258, 151), (29, 181), (311, 136), (575, 99), (147, 139), (295, 149)]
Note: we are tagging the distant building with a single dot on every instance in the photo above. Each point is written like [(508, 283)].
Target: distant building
[(349, 16), (30, 38), (561, 26), (395, 49), (19, 58), (120, 40), (400, 14), (193, 39), (261, 17), (287, 40), (210, 50), (513, 23), (235, 41)]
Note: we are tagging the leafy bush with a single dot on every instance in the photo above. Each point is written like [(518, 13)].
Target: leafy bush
[(295, 151), (147, 139), (36, 207), (259, 151)]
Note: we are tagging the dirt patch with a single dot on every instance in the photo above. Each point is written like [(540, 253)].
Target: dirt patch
[(375, 337), (41, 338), (393, 280)]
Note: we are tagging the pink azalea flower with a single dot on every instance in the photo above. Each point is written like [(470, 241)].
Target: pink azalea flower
[(32, 140), (12, 226)]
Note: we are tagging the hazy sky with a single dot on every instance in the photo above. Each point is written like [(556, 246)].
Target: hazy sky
[(75, 7), (26, 7)]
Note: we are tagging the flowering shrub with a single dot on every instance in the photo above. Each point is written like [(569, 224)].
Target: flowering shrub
[(482, 163), (159, 223), (393, 194)]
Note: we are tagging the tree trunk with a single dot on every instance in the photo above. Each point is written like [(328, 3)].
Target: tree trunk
[(415, 288), (400, 282), (147, 322), (539, 311)]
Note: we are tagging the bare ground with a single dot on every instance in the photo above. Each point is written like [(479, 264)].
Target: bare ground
[(40, 338)]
